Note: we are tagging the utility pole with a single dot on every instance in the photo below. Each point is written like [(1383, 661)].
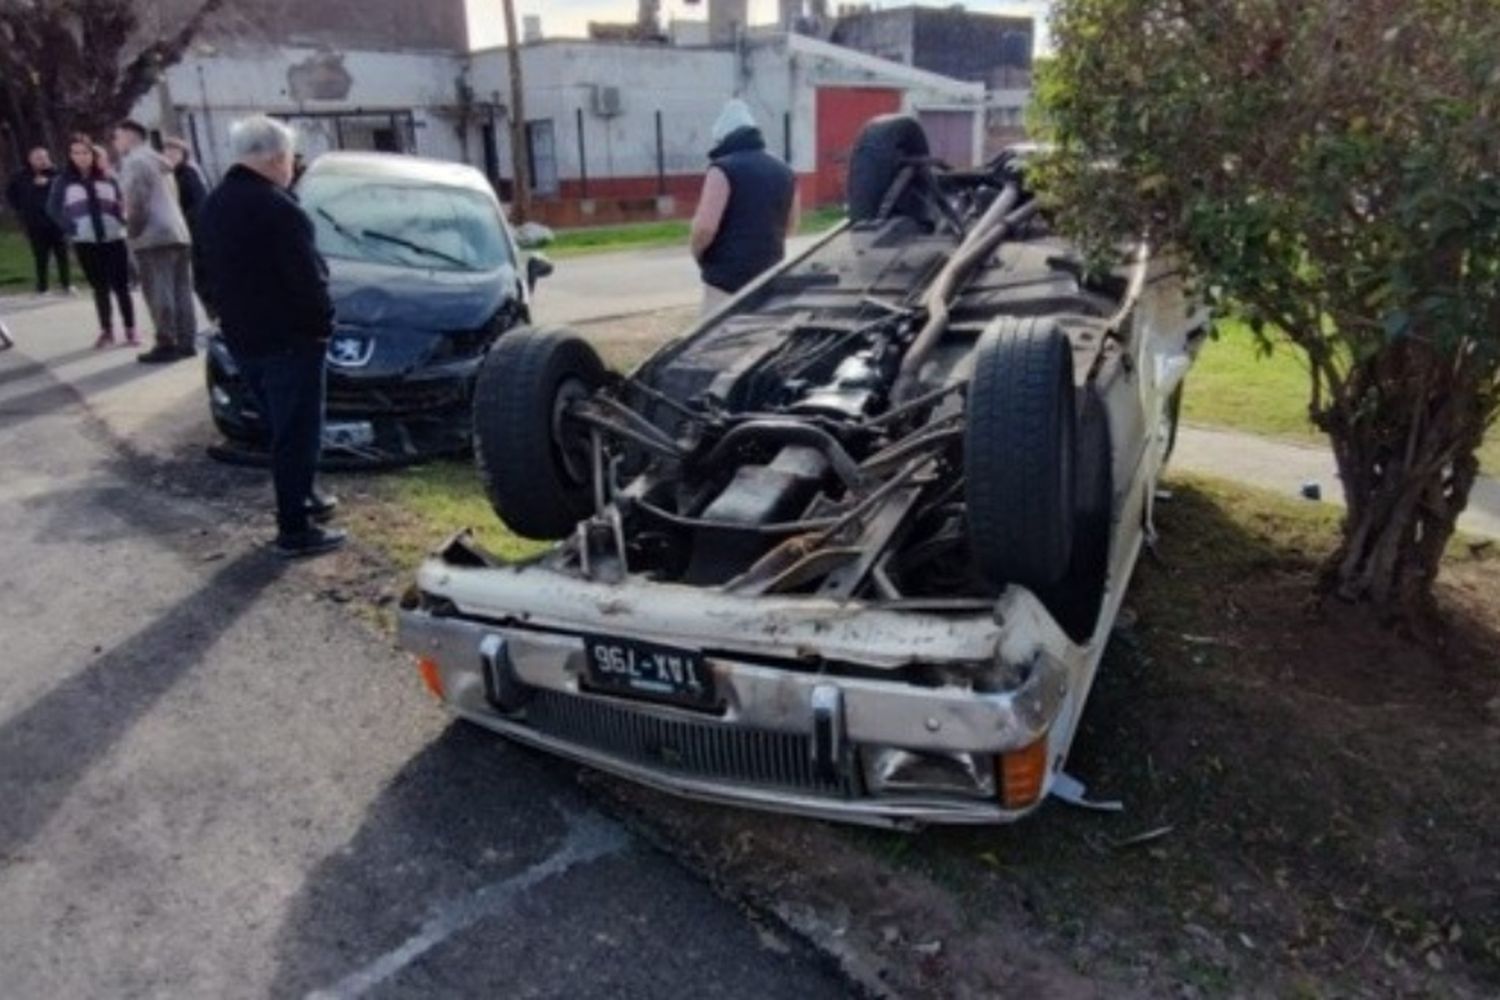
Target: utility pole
[(522, 197)]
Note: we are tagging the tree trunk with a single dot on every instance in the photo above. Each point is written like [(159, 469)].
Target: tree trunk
[(1404, 433)]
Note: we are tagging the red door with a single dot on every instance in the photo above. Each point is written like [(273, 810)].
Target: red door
[(842, 112)]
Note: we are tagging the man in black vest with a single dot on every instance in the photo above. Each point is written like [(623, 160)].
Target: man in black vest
[(748, 207)]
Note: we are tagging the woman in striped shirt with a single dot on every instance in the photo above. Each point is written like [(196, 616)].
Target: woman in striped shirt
[(85, 201)]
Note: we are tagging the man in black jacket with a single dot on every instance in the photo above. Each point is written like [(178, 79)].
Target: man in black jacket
[(27, 194), (263, 277)]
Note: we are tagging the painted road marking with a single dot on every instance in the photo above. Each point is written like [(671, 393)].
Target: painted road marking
[(589, 838)]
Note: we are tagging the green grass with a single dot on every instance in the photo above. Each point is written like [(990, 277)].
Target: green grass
[(1235, 385), (644, 235), (410, 511), (16, 270), (601, 239)]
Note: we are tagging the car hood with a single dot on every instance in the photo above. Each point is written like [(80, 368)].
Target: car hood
[(385, 297)]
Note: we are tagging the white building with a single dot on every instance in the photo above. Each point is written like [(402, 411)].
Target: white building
[(616, 129)]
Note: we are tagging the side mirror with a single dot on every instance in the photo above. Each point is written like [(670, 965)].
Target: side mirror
[(537, 268), (533, 236)]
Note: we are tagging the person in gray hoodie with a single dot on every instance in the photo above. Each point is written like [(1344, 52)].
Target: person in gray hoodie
[(158, 236)]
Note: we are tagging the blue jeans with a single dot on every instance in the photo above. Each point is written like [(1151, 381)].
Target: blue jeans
[(289, 388)]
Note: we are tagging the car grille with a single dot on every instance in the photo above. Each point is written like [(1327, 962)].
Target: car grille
[(710, 750), (349, 397)]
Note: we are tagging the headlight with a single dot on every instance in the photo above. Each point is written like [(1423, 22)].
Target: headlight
[(219, 397)]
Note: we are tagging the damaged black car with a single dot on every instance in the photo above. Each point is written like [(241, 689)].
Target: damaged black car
[(425, 274)]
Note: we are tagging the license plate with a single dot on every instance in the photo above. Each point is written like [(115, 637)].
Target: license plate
[(348, 434), (647, 670)]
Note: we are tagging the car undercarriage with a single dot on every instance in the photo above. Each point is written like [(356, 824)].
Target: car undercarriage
[(853, 544)]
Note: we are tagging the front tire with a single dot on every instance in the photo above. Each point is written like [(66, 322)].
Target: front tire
[(533, 464), (1020, 452), (883, 147)]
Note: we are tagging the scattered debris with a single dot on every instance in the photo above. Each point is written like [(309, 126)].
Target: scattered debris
[(1312, 490), (1072, 791), (1209, 640), (1143, 838)]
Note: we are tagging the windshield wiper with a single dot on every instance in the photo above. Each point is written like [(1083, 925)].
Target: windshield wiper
[(426, 251), (339, 227)]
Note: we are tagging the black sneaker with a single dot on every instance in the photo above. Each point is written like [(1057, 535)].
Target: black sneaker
[(321, 506), (187, 352), (159, 355), (313, 542)]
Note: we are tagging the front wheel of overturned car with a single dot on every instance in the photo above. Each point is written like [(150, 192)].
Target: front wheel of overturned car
[(1020, 449), (534, 463)]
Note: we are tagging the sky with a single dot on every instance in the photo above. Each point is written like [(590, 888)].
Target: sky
[(570, 17)]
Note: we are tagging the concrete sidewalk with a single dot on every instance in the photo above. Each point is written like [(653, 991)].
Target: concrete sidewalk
[(129, 398), (1283, 466)]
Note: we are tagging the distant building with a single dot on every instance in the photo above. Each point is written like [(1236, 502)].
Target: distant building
[(353, 24), (618, 130), (991, 49), (615, 130), (728, 20)]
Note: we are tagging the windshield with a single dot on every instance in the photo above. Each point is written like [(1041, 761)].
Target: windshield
[(386, 221)]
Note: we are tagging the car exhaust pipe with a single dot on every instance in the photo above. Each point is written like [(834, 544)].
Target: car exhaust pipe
[(987, 233)]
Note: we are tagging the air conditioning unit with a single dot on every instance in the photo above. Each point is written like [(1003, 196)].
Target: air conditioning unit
[(607, 101)]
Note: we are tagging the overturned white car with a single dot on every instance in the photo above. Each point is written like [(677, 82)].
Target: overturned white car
[(853, 545)]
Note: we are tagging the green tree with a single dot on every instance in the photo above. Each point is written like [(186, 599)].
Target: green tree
[(80, 65), (1328, 170)]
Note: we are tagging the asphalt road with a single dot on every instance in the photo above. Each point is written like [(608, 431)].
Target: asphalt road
[(215, 782), (593, 286)]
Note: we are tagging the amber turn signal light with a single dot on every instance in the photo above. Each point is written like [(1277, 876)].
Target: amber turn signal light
[(432, 678), (1022, 774)]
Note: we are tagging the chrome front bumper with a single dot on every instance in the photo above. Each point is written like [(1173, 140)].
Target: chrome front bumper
[(520, 673)]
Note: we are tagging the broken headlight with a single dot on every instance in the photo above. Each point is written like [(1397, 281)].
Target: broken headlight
[(894, 771)]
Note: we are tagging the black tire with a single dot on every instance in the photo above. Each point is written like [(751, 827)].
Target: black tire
[(1076, 599), (534, 481), (881, 150), (1174, 418), (1020, 453)]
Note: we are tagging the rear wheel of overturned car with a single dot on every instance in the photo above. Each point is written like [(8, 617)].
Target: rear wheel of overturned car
[(882, 148), (1020, 449), (535, 463)]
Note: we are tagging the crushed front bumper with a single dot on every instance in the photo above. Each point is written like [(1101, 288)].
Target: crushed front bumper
[(818, 705), (368, 423)]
